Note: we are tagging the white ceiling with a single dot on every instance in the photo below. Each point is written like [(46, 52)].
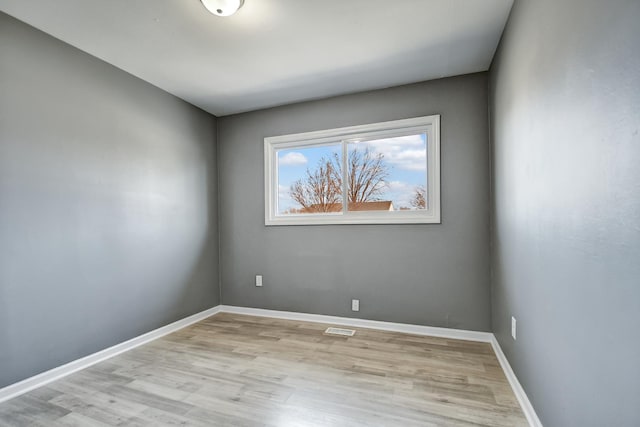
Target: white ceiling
[(275, 52)]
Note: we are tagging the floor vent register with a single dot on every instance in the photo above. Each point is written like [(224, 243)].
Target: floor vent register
[(340, 331)]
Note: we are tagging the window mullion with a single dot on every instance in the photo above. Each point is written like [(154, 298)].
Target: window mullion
[(345, 174)]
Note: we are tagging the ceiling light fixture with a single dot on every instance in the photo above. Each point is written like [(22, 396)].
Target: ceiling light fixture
[(223, 7)]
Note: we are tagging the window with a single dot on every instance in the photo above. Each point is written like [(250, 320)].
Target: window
[(382, 173)]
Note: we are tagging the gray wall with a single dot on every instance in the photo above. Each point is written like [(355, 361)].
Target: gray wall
[(565, 103), (107, 205), (433, 274)]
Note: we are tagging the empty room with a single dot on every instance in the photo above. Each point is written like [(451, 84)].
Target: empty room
[(296, 213)]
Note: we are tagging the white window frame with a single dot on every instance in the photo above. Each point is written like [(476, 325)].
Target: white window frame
[(428, 124)]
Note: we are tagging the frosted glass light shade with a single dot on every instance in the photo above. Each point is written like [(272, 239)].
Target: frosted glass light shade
[(223, 7)]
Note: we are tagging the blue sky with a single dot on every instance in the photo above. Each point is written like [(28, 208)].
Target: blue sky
[(404, 156)]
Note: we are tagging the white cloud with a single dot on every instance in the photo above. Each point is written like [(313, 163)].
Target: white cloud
[(401, 193), (397, 186), (284, 198), (404, 152), (293, 159), (284, 194)]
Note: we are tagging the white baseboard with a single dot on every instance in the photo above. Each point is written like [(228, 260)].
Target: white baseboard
[(458, 334), (46, 377), (522, 397)]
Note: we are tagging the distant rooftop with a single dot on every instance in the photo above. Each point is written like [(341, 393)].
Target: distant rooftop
[(381, 205)]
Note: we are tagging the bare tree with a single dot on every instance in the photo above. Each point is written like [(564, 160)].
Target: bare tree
[(419, 200), (321, 189), (367, 176)]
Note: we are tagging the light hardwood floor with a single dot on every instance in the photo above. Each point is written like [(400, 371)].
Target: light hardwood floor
[(234, 370)]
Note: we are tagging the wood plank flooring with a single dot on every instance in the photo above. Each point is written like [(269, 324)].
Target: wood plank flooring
[(234, 370)]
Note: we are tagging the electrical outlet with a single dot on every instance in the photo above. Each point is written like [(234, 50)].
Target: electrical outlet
[(355, 305), (258, 280), (513, 327)]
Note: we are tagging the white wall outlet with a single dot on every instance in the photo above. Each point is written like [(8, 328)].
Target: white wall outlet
[(513, 327), (355, 305), (258, 280)]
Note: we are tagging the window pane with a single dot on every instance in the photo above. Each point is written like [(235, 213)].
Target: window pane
[(383, 173), (309, 180), (388, 174)]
